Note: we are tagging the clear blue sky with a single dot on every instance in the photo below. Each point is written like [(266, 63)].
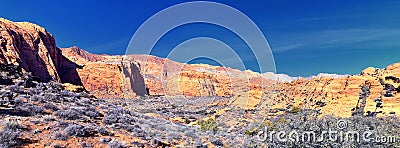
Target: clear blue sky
[(306, 37)]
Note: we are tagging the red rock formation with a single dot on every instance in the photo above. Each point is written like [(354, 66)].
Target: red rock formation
[(80, 56), (32, 47), (332, 95), (342, 94), (107, 76)]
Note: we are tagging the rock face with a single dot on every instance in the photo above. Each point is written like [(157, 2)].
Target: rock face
[(34, 49), (80, 56), (166, 77), (340, 96), (329, 93), (107, 76), (119, 76)]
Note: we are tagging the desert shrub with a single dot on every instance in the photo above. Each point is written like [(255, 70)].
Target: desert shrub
[(134, 129), (85, 130), (126, 119), (84, 101), (18, 101), (295, 109), (156, 143), (251, 131), (50, 106), (119, 111), (56, 86), (66, 93), (209, 124), (4, 101), (116, 144), (78, 130), (6, 94), (60, 136), (16, 88), (33, 91), (28, 109), (48, 118), (37, 98), (69, 99), (9, 138), (57, 145), (87, 111), (12, 125), (91, 112), (138, 144), (160, 127), (105, 140), (110, 119), (75, 130), (190, 133), (61, 123), (9, 135), (84, 144), (198, 142), (82, 95), (68, 114), (118, 116), (103, 131), (217, 142), (51, 97), (173, 136)]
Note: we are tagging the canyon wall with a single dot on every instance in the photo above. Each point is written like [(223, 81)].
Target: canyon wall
[(34, 49)]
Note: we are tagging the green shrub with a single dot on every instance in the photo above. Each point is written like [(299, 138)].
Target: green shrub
[(295, 109), (251, 131), (209, 124)]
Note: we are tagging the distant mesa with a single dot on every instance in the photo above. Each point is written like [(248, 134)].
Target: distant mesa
[(279, 77), (327, 75)]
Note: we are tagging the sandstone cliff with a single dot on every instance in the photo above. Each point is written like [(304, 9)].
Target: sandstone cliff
[(331, 94), (34, 49), (107, 76), (343, 95)]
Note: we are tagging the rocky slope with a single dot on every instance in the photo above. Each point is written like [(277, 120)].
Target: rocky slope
[(341, 96), (45, 114)]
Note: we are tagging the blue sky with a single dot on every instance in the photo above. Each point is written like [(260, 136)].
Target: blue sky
[(306, 37)]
